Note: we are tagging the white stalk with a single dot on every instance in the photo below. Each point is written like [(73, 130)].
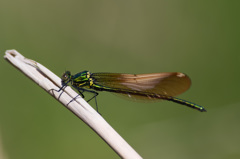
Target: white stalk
[(50, 83)]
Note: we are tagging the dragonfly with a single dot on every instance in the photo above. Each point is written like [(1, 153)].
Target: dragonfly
[(151, 87)]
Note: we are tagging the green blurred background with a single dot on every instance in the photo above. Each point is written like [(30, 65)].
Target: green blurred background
[(199, 38)]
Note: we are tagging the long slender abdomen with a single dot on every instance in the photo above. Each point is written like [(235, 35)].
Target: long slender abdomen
[(187, 103), (148, 96)]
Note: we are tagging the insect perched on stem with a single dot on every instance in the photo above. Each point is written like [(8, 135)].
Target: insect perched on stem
[(138, 87)]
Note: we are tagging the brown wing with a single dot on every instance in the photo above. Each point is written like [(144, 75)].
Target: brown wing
[(170, 83)]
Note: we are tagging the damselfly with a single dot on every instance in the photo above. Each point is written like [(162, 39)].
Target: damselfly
[(138, 87)]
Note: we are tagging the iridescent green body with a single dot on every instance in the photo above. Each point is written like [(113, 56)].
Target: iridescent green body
[(147, 87)]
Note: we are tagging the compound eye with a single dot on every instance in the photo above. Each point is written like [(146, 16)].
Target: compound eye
[(66, 76)]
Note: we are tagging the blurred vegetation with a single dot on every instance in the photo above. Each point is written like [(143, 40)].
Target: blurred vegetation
[(199, 38)]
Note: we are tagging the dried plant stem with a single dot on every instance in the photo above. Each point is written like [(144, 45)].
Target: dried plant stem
[(50, 83)]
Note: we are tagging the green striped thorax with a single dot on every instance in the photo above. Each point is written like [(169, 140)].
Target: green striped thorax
[(81, 79)]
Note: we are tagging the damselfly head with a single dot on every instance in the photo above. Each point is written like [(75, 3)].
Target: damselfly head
[(66, 77)]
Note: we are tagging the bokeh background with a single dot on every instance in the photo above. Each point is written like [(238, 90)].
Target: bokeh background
[(199, 38)]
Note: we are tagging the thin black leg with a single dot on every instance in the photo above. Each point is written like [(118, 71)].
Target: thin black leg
[(81, 90)]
